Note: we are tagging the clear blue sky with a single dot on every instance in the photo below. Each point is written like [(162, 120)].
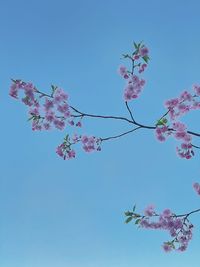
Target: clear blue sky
[(70, 214)]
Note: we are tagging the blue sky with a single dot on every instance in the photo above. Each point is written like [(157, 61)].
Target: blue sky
[(58, 213)]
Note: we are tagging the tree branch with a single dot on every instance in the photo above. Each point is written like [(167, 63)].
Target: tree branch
[(120, 135)]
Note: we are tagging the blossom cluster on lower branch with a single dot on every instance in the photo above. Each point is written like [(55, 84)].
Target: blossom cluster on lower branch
[(177, 130), (178, 226), (169, 125)]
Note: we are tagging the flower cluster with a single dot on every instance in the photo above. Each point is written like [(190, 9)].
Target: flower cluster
[(178, 226), (185, 150), (134, 84), (184, 103), (46, 111), (65, 152), (178, 107), (89, 144), (179, 132), (162, 132), (133, 87)]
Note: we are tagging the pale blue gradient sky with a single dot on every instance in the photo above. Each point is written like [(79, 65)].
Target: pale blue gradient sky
[(57, 213)]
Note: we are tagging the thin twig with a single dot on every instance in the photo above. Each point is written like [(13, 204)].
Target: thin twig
[(198, 147), (100, 116), (130, 112), (120, 135), (188, 214)]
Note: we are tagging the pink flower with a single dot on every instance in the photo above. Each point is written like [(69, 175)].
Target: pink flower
[(133, 87), (89, 143), (14, 90), (178, 126), (172, 103), (59, 124), (71, 122), (27, 101), (185, 151), (60, 96), (180, 135), (167, 247), (71, 154), (142, 68), (47, 126), (48, 104), (50, 116), (29, 90), (34, 112), (166, 213), (185, 96), (196, 88), (63, 108), (161, 138), (195, 105), (144, 51), (162, 132), (123, 72), (84, 139), (36, 126), (75, 138), (196, 187), (59, 150), (79, 124), (149, 211)]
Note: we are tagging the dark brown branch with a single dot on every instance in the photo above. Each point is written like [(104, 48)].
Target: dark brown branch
[(100, 116), (188, 214), (81, 114), (130, 112), (120, 135), (193, 133), (198, 147)]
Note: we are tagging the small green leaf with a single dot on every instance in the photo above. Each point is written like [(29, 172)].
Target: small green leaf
[(159, 123), (146, 59), (135, 215), (13, 80), (53, 89), (134, 207), (125, 55), (128, 219), (128, 213), (135, 45), (66, 137), (140, 44), (164, 120), (29, 119), (173, 246), (137, 221)]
